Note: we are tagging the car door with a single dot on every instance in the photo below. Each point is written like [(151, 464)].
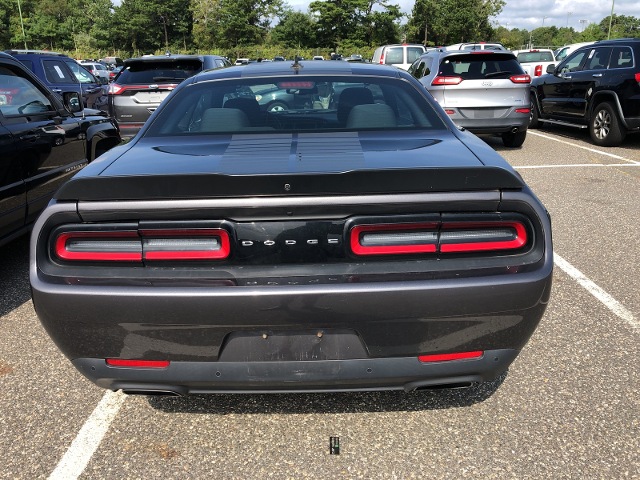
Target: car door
[(47, 144), (563, 95), (13, 194)]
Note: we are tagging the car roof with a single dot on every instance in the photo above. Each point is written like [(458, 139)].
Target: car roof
[(162, 58), (17, 52), (307, 67), (477, 53)]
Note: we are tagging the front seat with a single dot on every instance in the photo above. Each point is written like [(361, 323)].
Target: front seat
[(351, 97)]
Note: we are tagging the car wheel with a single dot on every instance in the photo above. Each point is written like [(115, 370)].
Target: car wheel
[(534, 114), (604, 127), (277, 107), (514, 140)]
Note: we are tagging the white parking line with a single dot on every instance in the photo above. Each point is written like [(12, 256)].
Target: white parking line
[(606, 299), (593, 150), (77, 457), (576, 165)]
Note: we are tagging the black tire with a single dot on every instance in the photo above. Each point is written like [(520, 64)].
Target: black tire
[(277, 107), (514, 140), (604, 126), (534, 115)]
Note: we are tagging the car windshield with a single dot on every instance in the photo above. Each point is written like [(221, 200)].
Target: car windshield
[(81, 73), (159, 71), (479, 66), (296, 104), (526, 57)]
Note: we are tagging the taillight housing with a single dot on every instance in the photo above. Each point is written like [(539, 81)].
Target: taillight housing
[(440, 237), (537, 71), (115, 89), (126, 245), (524, 78), (441, 80)]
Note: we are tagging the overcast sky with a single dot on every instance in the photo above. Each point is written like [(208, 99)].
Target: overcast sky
[(530, 14)]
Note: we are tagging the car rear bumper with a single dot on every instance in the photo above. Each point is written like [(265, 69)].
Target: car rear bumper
[(507, 123), (405, 373)]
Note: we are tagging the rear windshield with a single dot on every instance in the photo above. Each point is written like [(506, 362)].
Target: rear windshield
[(394, 55), (479, 66), (159, 72), (298, 104), (413, 53), (526, 57)]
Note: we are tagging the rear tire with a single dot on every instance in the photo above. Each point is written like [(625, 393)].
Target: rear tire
[(534, 115), (514, 140), (604, 126)]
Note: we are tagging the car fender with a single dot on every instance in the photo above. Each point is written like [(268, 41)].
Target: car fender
[(100, 138), (611, 96)]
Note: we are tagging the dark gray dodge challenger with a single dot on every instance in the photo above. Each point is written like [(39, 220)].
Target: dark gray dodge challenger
[(354, 240)]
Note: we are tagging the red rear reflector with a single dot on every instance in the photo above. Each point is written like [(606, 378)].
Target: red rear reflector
[(391, 239), (448, 111), (117, 362), (538, 71), (520, 78), (637, 75), (447, 357), (446, 80), (523, 110)]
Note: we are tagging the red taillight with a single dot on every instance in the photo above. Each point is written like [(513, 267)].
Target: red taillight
[(448, 111), (637, 75), (537, 71), (121, 246), (448, 357), (526, 111), (142, 245), (434, 237), (115, 89), (446, 80), (382, 59), (394, 239), (206, 244), (482, 236), (520, 78), (117, 362)]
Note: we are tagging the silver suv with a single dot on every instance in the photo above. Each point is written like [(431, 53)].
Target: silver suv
[(486, 92)]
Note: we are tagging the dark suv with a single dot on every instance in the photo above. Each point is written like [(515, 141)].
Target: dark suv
[(144, 82), (596, 87), (62, 74), (44, 140)]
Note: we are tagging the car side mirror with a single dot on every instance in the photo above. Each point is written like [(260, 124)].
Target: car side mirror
[(72, 102), (551, 68)]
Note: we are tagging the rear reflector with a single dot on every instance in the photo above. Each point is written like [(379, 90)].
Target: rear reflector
[(117, 362), (523, 110), (448, 357), (136, 246), (446, 80), (448, 237)]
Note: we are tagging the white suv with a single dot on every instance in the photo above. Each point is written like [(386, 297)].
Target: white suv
[(399, 55)]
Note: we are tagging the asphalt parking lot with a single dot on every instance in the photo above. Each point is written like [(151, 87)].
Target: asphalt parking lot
[(569, 407)]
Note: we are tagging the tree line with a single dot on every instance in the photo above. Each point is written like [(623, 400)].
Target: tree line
[(264, 28)]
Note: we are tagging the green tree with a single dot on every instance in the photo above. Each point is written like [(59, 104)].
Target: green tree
[(296, 29)]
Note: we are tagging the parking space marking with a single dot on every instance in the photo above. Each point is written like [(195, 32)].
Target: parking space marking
[(606, 299), (593, 150), (577, 165), (85, 444)]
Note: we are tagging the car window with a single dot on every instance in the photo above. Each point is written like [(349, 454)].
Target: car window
[(306, 104), (18, 96), (572, 62), (158, 72), (621, 57), (480, 66), (526, 57), (598, 59), (413, 53), (394, 55), (57, 72), (80, 72)]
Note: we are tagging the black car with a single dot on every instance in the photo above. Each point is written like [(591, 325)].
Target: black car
[(596, 87), (144, 82), (62, 75), (362, 246), (43, 141)]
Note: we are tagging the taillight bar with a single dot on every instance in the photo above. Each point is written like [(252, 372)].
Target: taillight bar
[(448, 357), (118, 362), (520, 78), (435, 237), (440, 80), (141, 245)]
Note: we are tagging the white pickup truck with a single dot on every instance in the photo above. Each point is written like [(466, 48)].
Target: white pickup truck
[(535, 61)]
